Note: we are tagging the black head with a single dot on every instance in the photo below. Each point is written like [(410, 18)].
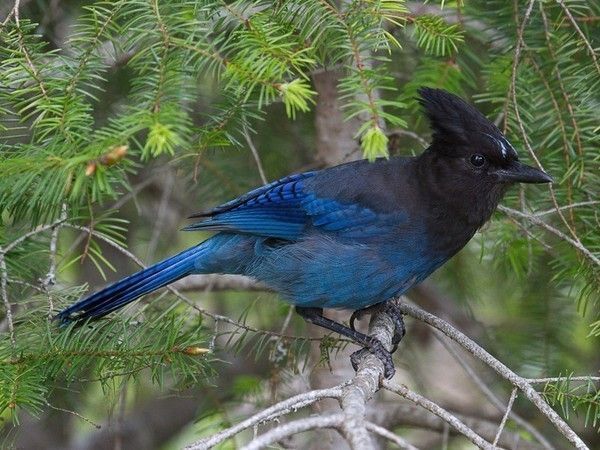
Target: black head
[(478, 147), (469, 163)]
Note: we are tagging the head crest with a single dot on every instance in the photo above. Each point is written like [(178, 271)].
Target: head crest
[(456, 122)]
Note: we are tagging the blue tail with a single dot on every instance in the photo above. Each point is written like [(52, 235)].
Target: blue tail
[(129, 289)]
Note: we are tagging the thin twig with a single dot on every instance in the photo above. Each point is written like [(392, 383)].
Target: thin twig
[(13, 12), (583, 37), (50, 279), (269, 414), (74, 413), (511, 401), (287, 319), (536, 220), (4, 294), (565, 207), (26, 283), (35, 74), (442, 413), (40, 229), (412, 134), (400, 442), (560, 379), (218, 282), (295, 427), (255, 154)]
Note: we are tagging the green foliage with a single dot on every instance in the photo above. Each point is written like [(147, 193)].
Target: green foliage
[(435, 36), (296, 96), (552, 116), (258, 54), (373, 140), (121, 348), (580, 398), (138, 84)]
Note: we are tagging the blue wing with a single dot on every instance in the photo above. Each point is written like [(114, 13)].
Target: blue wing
[(284, 209)]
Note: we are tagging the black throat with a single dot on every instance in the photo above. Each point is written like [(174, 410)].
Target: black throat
[(457, 205)]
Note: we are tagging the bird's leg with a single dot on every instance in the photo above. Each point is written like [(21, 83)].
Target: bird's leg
[(392, 310), (315, 316)]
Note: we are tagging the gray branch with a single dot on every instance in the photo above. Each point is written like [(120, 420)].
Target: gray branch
[(269, 414), (502, 370), (295, 427), (400, 414), (442, 413)]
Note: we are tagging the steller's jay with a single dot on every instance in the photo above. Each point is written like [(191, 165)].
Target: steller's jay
[(351, 236)]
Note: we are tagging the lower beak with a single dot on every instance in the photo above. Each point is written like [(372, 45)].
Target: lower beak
[(520, 173)]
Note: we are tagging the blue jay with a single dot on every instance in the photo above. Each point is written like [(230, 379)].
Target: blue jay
[(351, 236)]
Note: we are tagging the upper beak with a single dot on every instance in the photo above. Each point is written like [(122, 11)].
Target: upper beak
[(518, 172)]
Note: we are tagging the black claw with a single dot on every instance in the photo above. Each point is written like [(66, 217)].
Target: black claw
[(378, 350), (400, 329), (358, 314), (356, 357), (391, 309), (352, 319)]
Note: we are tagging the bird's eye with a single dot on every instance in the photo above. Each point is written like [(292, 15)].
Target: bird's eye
[(477, 160)]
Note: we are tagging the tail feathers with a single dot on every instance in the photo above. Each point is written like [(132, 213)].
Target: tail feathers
[(131, 288)]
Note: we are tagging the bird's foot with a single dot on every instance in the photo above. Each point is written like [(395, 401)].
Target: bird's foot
[(377, 349), (400, 330), (370, 344), (393, 311)]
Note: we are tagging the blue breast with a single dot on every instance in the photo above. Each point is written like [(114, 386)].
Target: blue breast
[(322, 270)]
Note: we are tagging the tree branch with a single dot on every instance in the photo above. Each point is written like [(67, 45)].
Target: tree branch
[(364, 385), (400, 442), (440, 412), (516, 380), (269, 414), (217, 282), (511, 401), (494, 400), (295, 427), (392, 414)]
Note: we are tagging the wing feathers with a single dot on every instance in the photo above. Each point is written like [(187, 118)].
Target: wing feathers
[(284, 209)]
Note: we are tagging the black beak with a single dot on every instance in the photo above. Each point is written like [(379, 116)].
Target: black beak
[(518, 172)]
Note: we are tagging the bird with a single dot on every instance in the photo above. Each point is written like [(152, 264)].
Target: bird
[(353, 236)]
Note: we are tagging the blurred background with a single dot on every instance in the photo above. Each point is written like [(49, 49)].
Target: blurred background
[(120, 119)]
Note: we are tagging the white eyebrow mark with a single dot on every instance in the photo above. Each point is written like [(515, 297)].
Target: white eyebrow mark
[(512, 149), (502, 143), (503, 149)]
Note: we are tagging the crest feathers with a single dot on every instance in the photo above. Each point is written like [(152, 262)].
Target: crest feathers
[(453, 120)]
